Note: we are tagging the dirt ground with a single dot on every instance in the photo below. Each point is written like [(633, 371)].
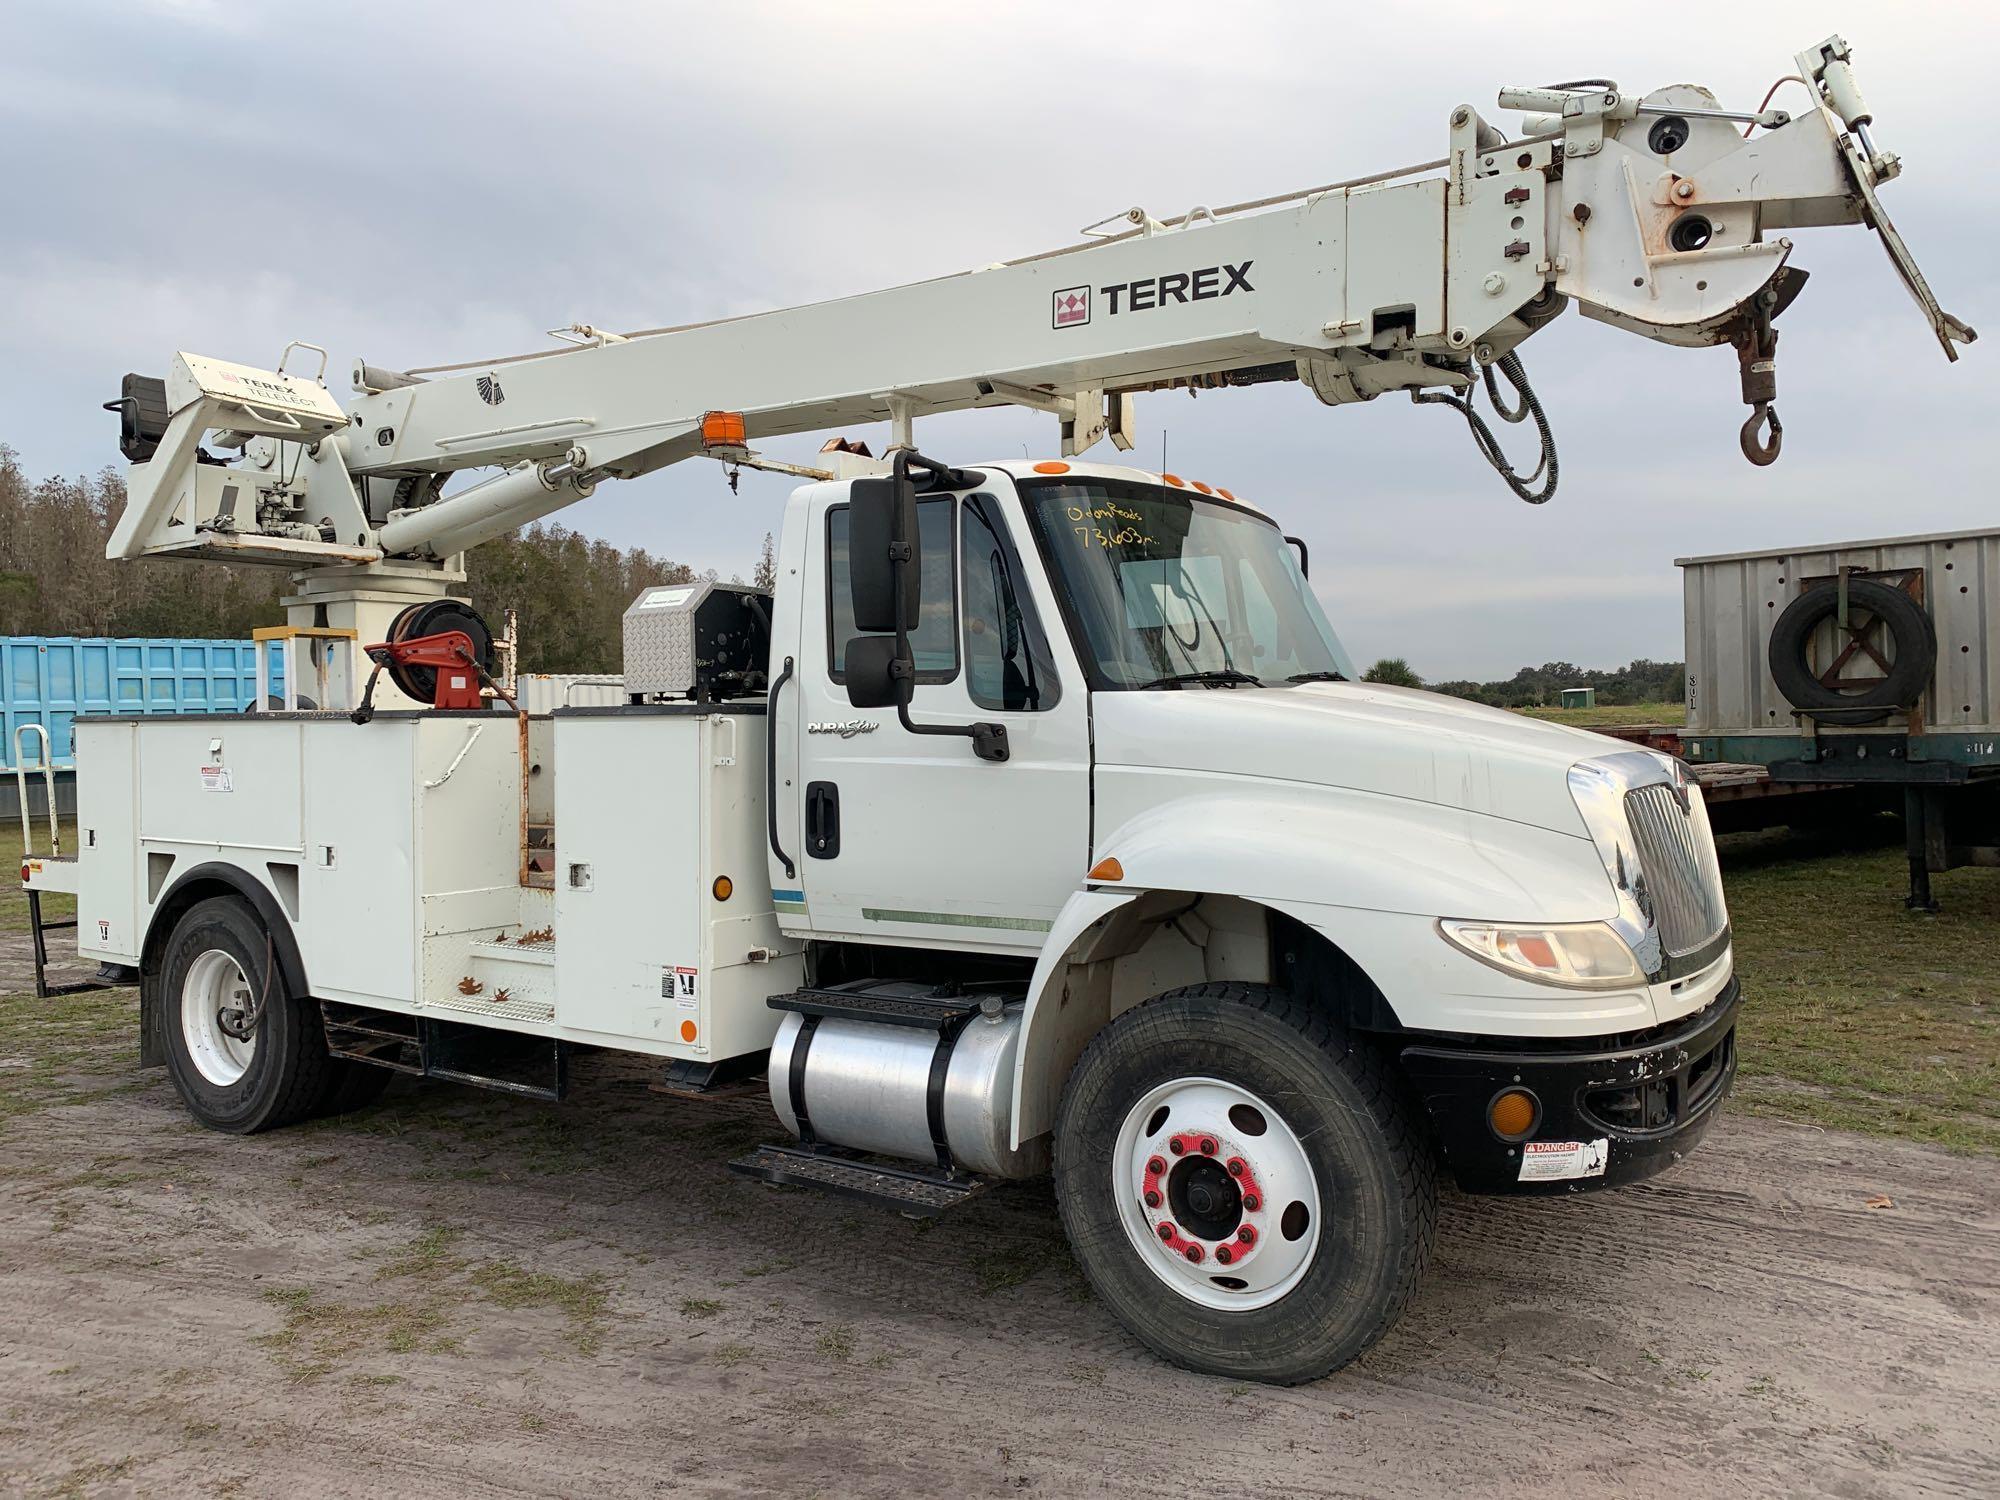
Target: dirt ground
[(465, 1294)]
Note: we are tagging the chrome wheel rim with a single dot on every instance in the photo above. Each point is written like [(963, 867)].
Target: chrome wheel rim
[(215, 983), (1216, 1193)]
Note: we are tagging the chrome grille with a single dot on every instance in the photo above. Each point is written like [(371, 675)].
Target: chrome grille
[(1683, 884)]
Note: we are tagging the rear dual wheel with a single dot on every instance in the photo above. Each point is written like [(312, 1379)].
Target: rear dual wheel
[(1244, 1187), (246, 1053)]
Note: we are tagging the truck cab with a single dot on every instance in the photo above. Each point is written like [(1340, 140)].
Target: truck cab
[(1520, 925)]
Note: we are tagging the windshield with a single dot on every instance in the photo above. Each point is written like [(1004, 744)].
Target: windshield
[(1161, 585)]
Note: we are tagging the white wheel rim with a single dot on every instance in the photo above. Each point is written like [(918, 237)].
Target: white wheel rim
[(1221, 1150), (215, 982)]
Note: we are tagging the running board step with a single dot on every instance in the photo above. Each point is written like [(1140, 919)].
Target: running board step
[(897, 1002), (907, 1190), (509, 1062)]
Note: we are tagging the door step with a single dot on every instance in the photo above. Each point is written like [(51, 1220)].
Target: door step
[(891, 1002), (908, 1190)]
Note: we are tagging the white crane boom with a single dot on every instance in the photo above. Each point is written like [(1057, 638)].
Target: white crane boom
[(1659, 215)]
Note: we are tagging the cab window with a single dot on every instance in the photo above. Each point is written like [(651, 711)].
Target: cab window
[(934, 633), (1007, 660)]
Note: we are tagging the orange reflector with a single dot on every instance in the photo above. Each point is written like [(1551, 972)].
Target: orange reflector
[(1107, 869), (1175, 480), (723, 429), (1224, 493), (687, 1031), (1538, 951), (1512, 1114), (1051, 467), (1203, 488), (722, 887)]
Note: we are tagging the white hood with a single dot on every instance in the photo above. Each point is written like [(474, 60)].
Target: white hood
[(1396, 742)]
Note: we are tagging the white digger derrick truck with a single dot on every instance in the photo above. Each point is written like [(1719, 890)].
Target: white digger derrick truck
[(1034, 821)]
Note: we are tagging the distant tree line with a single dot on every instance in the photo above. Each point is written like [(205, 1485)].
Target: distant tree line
[(570, 591), (1640, 681)]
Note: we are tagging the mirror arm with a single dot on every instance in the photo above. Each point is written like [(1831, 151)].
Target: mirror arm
[(989, 740)]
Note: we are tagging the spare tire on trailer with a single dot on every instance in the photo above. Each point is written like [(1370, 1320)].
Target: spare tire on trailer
[(1909, 628)]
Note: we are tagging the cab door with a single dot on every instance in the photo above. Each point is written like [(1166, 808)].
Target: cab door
[(912, 838)]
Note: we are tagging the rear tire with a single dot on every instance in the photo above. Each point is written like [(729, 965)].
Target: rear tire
[(1223, 1085), (219, 960)]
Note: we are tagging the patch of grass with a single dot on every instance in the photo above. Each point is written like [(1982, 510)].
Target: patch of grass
[(1611, 713), (89, 1479), (1008, 1266), (54, 1052), (1857, 1013), (699, 1307), (317, 1336), (581, 1299), (428, 1256), (836, 1343)]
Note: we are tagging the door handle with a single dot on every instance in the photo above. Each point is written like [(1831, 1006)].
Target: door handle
[(823, 820)]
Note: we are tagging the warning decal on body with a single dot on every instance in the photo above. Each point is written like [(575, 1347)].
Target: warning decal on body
[(685, 988), (217, 779), (1559, 1161)]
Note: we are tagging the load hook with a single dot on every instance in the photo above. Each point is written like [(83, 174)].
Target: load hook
[(1762, 451)]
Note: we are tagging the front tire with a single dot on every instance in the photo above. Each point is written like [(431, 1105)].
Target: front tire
[(1224, 1108), (220, 968)]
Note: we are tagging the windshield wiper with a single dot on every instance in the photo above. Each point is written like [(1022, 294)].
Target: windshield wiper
[(1227, 677), (1317, 677)]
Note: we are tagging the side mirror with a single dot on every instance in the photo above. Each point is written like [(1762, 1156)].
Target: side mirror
[(872, 679), (882, 529)]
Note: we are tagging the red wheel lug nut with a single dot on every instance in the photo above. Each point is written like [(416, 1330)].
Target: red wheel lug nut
[(1194, 1253), (1235, 1166), (1252, 1202), (1223, 1256), (1166, 1231), (1247, 1235), (1176, 1146), (1208, 1145), (1152, 1198), (1156, 1166)]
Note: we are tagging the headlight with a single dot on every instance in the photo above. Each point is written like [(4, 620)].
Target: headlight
[(1577, 955)]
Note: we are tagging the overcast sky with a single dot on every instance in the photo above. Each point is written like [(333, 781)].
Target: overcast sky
[(426, 183)]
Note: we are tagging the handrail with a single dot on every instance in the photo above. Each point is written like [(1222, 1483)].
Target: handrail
[(48, 770), (771, 768)]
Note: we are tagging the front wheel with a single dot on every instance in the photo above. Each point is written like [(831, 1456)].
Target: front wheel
[(1243, 1186)]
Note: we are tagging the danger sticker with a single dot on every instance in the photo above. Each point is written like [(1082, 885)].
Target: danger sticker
[(1559, 1161), (216, 779), (687, 988)]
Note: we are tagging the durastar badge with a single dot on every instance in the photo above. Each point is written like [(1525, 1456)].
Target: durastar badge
[(847, 729)]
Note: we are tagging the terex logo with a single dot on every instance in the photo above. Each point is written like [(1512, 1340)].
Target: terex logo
[(1179, 286)]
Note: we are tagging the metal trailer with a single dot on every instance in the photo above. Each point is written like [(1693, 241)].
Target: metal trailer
[(545, 692), (1871, 663), (47, 680)]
